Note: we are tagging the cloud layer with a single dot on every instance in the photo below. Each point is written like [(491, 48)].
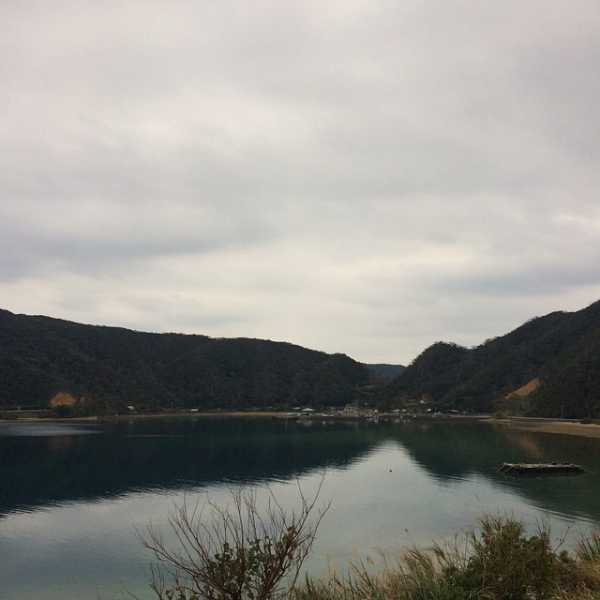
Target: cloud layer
[(353, 177)]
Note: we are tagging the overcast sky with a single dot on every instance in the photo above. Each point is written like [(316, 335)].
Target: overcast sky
[(365, 177)]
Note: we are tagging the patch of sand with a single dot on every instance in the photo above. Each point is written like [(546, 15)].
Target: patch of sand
[(64, 399), (561, 427), (527, 389)]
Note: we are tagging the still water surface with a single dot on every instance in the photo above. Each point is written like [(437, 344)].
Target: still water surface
[(73, 494)]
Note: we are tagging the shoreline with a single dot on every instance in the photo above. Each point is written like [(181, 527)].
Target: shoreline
[(558, 426), (553, 426), (167, 415)]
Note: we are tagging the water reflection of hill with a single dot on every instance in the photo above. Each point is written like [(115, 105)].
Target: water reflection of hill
[(56, 465), (45, 464), (458, 451)]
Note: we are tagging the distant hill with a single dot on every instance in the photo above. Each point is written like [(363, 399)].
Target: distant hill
[(388, 371), (561, 350), (550, 366), (105, 369)]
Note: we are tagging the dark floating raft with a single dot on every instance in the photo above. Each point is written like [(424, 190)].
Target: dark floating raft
[(554, 468)]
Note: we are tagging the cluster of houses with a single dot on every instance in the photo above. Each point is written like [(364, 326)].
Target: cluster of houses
[(355, 410)]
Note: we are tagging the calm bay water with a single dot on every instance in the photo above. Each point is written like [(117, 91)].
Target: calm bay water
[(73, 494)]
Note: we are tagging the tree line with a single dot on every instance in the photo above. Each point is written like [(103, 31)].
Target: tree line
[(107, 369), (561, 350)]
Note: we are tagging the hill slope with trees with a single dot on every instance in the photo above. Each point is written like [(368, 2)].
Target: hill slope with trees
[(550, 366), (561, 349), (104, 369)]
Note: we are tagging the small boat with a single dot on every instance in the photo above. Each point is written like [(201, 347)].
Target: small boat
[(553, 468)]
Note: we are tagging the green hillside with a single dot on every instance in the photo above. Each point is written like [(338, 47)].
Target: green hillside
[(107, 368), (386, 370), (561, 349)]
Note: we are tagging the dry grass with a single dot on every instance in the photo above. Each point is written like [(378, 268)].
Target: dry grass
[(500, 562)]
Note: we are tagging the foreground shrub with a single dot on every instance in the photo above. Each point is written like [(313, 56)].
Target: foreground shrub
[(501, 562), (505, 563), (233, 552)]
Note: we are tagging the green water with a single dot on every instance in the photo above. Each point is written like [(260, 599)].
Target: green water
[(72, 494)]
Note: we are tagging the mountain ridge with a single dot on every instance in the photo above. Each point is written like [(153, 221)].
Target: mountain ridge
[(561, 349), (108, 368), (101, 369)]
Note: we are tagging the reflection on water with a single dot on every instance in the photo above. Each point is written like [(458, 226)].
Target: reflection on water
[(70, 500), (47, 429)]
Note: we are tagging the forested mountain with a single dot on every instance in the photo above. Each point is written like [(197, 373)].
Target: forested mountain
[(561, 349), (388, 371), (107, 368), (104, 369)]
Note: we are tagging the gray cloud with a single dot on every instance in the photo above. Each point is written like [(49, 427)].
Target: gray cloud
[(365, 178)]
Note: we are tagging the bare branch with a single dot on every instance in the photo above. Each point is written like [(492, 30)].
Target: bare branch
[(232, 551)]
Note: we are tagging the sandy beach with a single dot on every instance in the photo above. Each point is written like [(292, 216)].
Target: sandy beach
[(560, 427)]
